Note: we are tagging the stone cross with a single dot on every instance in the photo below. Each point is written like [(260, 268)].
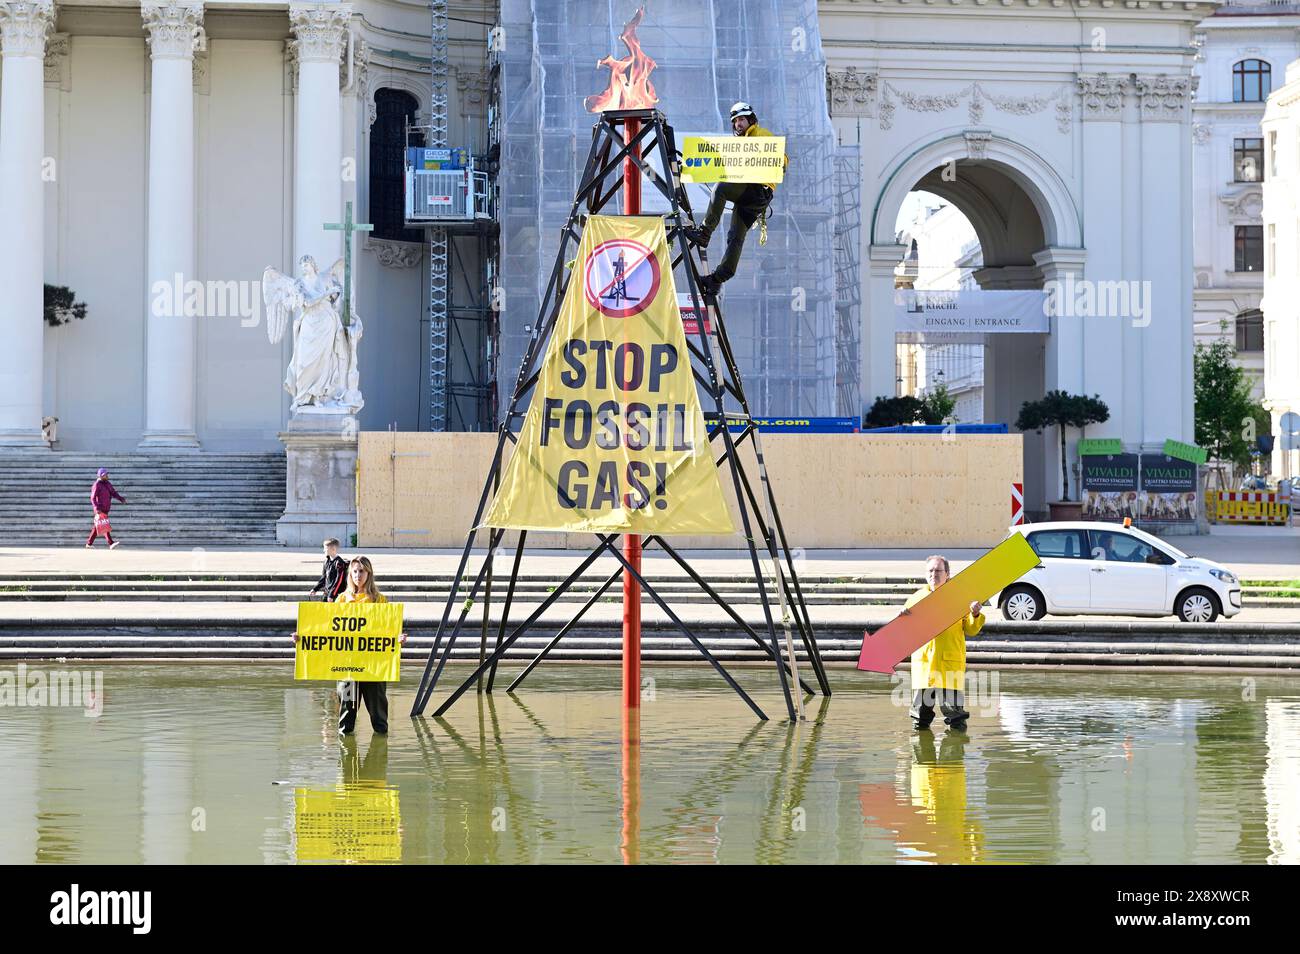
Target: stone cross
[(347, 227)]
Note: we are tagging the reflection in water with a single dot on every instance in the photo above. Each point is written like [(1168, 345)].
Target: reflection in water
[(692, 827), (1077, 767), (1282, 781), (630, 844), (358, 820), (929, 822), (785, 822), (939, 791)]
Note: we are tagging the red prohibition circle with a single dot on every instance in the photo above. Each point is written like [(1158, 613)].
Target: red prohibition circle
[(598, 297)]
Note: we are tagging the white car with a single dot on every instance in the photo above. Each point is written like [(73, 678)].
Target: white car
[(1107, 569)]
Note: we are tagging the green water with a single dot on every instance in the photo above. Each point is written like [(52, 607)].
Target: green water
[(222, 764)]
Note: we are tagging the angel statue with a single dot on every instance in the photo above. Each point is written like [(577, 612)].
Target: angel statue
[(322, 373)]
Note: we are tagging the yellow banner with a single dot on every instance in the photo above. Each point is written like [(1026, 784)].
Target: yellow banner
[(358, 641), (357, 822), (733, 159), (614, 440)]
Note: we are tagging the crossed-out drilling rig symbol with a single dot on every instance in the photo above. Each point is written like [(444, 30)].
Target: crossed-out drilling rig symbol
[(618, 287)]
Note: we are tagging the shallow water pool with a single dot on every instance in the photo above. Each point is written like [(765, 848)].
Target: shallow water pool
[(225, 764)]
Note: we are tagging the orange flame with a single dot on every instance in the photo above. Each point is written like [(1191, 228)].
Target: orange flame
[(629, 78)]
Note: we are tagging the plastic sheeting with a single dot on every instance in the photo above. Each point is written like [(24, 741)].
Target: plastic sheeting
[(780, 307)]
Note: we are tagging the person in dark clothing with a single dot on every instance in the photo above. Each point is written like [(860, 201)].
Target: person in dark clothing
[(361, 589), (749, 202), (102, 495), (334, 575)]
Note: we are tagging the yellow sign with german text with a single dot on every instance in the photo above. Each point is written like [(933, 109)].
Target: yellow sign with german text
[(733, 159), (358, 822), (358, 641), (614, 440)]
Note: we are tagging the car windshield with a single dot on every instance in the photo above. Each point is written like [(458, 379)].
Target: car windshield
[(1158, 543)]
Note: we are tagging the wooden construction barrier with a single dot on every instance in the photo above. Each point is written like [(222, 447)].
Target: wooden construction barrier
[(836, 490)]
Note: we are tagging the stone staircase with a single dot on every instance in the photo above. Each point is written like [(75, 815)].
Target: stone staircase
[(17, 585), (200, 584), (183, 500)]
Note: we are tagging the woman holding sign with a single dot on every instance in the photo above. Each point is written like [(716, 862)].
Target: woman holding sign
[(361, 589)]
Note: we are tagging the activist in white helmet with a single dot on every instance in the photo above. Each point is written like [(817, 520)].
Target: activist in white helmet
[(749, 202), (743, 109)]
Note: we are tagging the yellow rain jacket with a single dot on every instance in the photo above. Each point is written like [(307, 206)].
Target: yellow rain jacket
[(757, 130), (346, 688), (941, 663), (358, 598)]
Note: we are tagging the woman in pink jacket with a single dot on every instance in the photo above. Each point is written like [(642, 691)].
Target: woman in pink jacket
[(102, 495)]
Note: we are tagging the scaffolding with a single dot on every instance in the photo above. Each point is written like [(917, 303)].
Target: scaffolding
[(848, 290), (464, 263), (784, 315), (622, 139), (439, 316)]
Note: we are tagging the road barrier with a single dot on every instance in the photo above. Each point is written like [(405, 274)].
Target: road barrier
[(1247, 506)]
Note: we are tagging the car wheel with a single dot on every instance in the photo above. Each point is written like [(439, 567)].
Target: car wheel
[(1198, 605), (1023, 604)]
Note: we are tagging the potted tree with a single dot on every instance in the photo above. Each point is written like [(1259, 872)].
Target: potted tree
[(935, 408), (1061, 410), (895, 411)]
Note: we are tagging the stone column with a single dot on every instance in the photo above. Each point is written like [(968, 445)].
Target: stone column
[(1165, 106), (1064, 364), (1015, 371), (320, 37), (320, 446), (1098, 342), (24, 27), (170, 353), (878, 348)]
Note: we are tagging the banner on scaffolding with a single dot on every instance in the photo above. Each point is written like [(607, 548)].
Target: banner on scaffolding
[(614, 440)]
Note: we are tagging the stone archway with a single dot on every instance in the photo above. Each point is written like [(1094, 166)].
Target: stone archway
[(1030, 232), (1035, 176)]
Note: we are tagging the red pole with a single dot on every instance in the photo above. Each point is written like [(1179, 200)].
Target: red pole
[(632, 541)]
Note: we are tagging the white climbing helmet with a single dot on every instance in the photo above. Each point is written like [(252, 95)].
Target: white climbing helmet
[(743, 109)]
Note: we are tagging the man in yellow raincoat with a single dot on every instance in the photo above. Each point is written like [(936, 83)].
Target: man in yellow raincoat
[(939, 667)]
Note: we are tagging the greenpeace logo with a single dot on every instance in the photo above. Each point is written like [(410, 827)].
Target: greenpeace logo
[(77, 907)]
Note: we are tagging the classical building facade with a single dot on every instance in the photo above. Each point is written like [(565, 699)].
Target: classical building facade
[(1068, 125), (146, 146), (1281, 302), (140, 142), (1242, 52)]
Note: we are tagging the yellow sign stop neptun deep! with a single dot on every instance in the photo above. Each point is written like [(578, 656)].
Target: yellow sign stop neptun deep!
[(358, 641)]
